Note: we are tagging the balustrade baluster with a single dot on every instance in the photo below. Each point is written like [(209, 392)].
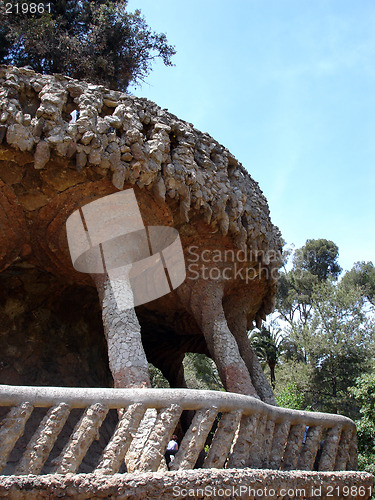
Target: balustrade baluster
[(157, 442), (267, 444), (353, 453), (84, 433), (43, 440), (240, 453), (330, 447), (310, 448), (256, 449), (12, 429), (293, 447), (194, 439), (279, 441), (342, 457), (118, 445), (223, 439), (134, 454)]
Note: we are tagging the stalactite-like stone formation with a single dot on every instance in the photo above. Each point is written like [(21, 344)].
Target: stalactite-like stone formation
[(138, 143), (65, 143)]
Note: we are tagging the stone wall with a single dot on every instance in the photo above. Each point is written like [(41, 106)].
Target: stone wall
[(199, 484)]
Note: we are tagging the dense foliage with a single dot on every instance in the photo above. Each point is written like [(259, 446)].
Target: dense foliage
[(364, 392), (97, 41), (363, 276), (327, 325)]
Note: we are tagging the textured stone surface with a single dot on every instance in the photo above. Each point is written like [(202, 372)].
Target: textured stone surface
[(329, 452), (86, 430), (119, 443), (43, 440), (140, 439), (148, 417), (66, 143), (293, 447), (246, 435), (201, 484), (194, 439), (12, 429), (222, 441), (127, 359), (195, 170), (153, 453)]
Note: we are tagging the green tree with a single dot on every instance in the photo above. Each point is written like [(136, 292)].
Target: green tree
[(291, 397), (298, 342), (268, 345), (364, 393), (157, 379), (314, 263), (201, 372), (293, 384), (318, 257), (330, 327), (342, 332), (294, 295), (362, 275), (98, 41)]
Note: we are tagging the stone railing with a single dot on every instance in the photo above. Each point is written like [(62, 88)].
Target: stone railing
[(226, 430)]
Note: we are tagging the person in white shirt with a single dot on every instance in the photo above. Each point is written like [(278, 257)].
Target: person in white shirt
[(172, 449)]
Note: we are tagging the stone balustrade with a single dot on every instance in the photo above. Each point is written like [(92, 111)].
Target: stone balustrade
[(227, 430)]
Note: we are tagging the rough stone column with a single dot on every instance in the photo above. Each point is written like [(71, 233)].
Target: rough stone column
[(127, 359), (207, 308), (279, 442), (12, 429), (237, 322)]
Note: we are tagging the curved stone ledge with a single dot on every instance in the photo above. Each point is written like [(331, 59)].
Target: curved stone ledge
[(139, 143), (188, 399), (199, 484)]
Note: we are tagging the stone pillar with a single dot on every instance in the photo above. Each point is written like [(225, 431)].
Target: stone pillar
[(207, 308), (237, 322), (127, 359)]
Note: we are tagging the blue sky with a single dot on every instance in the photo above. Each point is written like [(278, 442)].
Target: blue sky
[(288, 86)]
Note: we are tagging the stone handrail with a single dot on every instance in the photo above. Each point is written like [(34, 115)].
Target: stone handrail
[(247, 432)]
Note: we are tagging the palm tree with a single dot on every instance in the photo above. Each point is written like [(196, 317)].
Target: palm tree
[(268, 345)]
